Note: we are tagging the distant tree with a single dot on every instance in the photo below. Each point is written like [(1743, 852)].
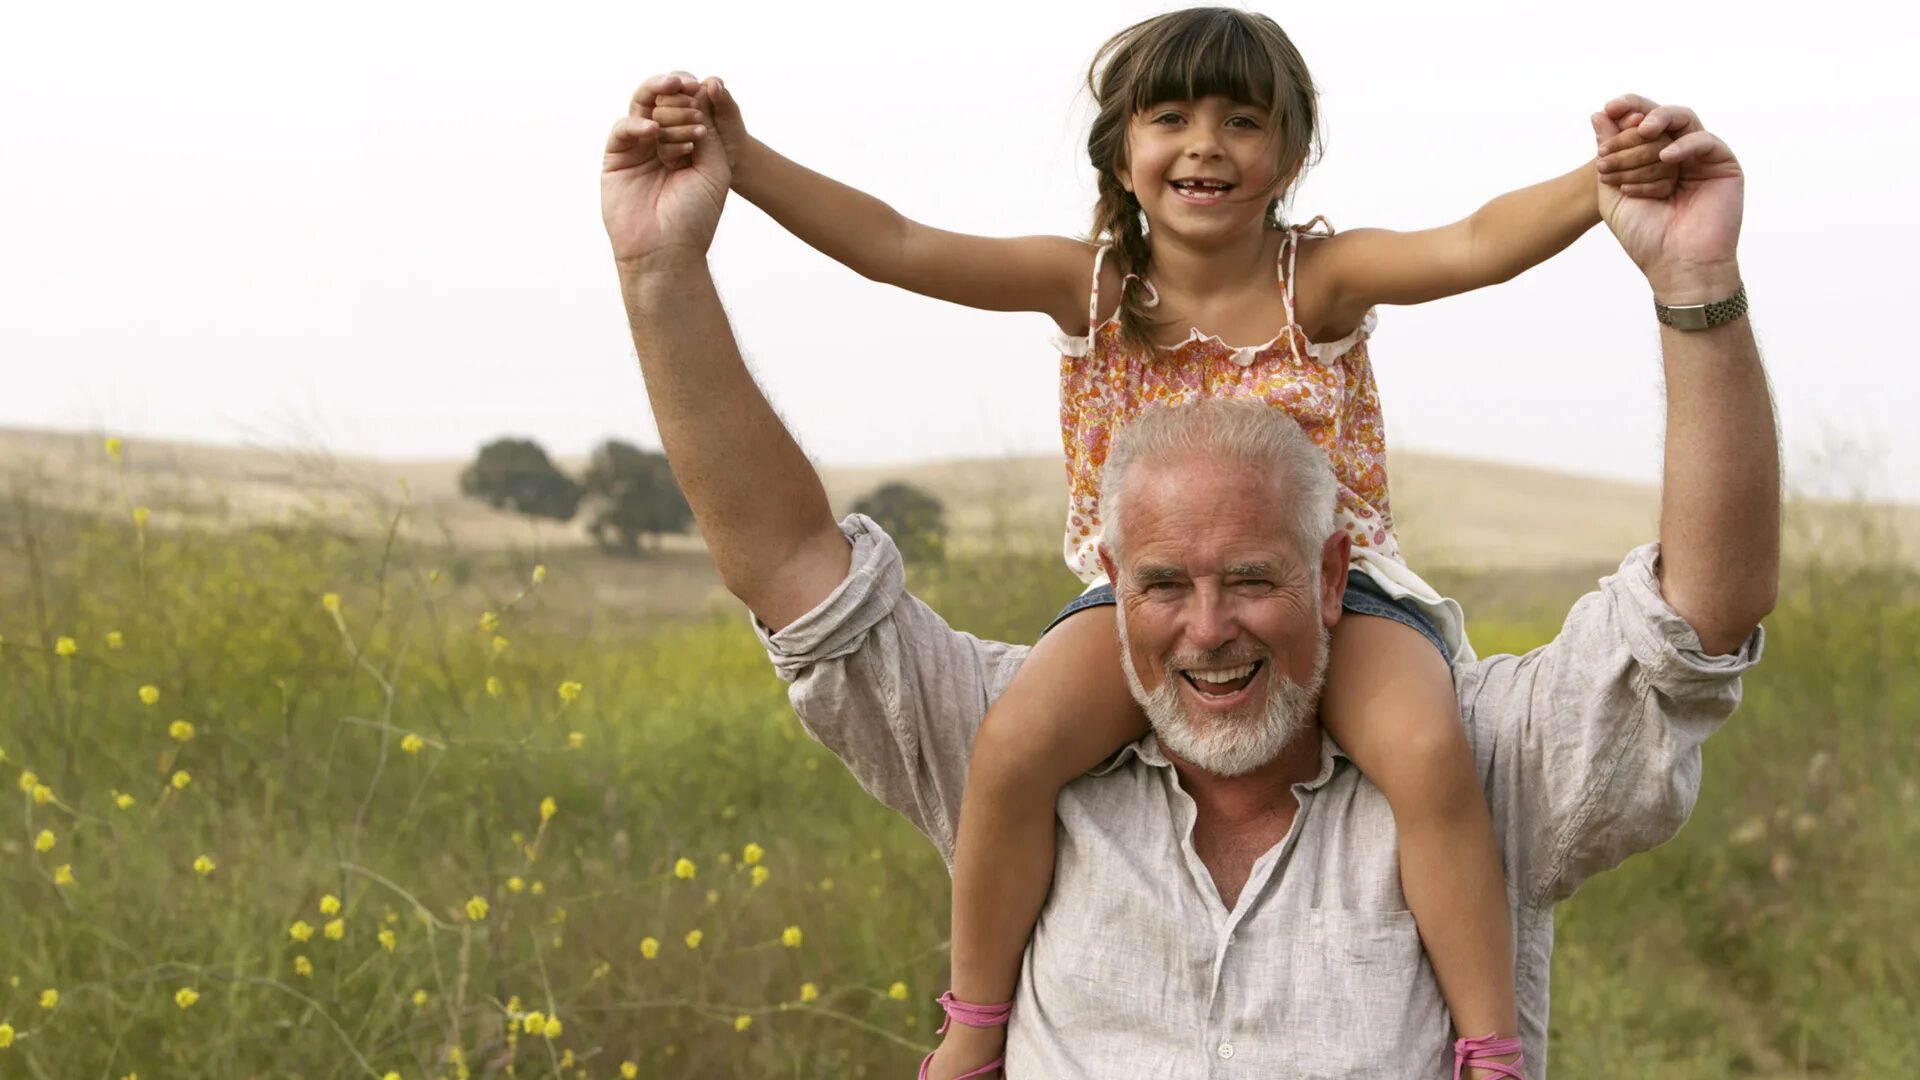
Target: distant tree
[(912, 516), (638, 497), (516, 475)]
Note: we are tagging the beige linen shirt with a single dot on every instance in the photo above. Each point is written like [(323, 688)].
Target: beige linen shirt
[(1588, 749)]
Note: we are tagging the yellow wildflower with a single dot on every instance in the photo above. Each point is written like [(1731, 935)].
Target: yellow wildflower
[(548, 808), (419, 998), (499, 644), (149, 694), (575, 740), (684, 869), (535, 1023), (387, 939), (329, 904), (44, 842), (335, 929), (303, 966), (629, 1070), (180, 780), (114, 640), (65, 646), (3, 754), (42, 794), (513, 1003), (493, 686), (63, 875), (713, 897), (570, 691), (566, 1059), (649, 947), (476, 909), (898, 991), (203, 866), (180, 731), (558, 917), (601, 970), (6, 1036), (123, 800), (140, 516), (742, 1022), (49, 998), (539, 573), (538, 888), (760, 876), (391, 1075), (489, 621), (514, 884), (790, 937), (28, 781), (826, 884), (113, 448), (185, 997), (330, 603), (752, 854), (809, 993), (693, 939), (554, 1027), (300, 930), (411, 744)]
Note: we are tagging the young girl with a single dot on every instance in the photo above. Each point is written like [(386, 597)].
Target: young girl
[(1206, 119)]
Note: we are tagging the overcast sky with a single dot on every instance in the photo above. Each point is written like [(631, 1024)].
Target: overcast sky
[(377, 227)]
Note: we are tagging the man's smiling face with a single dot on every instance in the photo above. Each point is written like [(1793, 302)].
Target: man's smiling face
[(1223, 622)]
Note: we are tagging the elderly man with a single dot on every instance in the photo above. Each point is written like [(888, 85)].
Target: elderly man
[(1227, 900)]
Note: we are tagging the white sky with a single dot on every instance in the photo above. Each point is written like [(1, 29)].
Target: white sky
[(377, 227)]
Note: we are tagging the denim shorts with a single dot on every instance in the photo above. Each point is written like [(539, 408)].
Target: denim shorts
[(1362, 597)]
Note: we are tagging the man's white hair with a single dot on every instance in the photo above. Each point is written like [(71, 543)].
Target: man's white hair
[(1241, 432)]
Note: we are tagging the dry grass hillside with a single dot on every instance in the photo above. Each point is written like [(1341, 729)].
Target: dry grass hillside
[(1454, 514)]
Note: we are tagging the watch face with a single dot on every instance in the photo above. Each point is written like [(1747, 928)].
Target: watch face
[(1689, 317)]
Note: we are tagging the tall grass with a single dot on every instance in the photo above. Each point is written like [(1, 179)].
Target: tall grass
[(1772, 939)]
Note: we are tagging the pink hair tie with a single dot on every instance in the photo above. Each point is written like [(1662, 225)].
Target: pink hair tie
[(973, 1016), (1479, 1054)]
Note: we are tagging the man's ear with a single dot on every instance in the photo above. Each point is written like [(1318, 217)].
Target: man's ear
[(1336, 557), (1106, 564)]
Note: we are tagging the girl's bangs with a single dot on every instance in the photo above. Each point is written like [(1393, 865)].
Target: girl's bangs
[(1214, 56)]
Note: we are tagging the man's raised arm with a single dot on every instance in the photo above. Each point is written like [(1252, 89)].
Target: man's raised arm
[(1720, 494), (756, 498)]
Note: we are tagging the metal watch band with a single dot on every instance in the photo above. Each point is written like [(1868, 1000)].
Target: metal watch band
[(1702, 316)]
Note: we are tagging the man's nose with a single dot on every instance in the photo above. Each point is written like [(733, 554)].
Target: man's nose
[(1211, 623)]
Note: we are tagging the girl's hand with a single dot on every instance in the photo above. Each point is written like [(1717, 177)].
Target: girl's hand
[(675, 111), (1684, 244), (655, 213), (1631, 162)]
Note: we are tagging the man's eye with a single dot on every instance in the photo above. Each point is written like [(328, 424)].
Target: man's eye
[(1258, 585)]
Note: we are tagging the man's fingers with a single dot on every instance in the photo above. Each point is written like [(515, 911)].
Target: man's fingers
[(633, 136), (1619, 107), (1646, 174), (1674, 120), (650, 90), (1698, 145), (683, 133), (677, 115)]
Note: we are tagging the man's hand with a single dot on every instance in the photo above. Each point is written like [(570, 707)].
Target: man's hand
[(1686, 244), (675, 112), (656, 214)]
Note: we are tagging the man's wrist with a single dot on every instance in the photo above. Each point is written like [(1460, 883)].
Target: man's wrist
[(659, 274), (1695, 283)]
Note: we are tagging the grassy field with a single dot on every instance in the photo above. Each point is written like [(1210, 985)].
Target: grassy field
[(319, 801)]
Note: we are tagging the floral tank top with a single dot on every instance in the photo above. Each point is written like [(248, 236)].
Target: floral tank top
[(1106, 382)]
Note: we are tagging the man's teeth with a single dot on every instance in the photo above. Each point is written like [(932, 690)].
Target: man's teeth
[(1225, 675)]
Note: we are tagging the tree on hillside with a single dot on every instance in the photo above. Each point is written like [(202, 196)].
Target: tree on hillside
[(517, 475), (912, 516), (638, 497)]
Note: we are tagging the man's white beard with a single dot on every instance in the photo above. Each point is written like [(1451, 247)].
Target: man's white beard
[(1232, 743)]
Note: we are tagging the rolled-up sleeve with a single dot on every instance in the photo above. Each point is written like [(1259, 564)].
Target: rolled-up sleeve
[(1590, 745), (882, 681)]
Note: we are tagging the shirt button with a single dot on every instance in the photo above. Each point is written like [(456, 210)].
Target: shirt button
[(1226, 1051), (1231, 938)]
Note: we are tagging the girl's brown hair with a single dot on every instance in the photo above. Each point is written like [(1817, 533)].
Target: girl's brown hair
[(1181, 56)]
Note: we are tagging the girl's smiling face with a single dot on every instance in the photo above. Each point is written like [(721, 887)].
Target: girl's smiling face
[(1202, 169)]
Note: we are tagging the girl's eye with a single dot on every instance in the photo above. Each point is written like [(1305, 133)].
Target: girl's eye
[(1242, 121), (1167, 118)]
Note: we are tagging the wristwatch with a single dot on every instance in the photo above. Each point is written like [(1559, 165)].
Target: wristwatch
[(1702, 316)]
